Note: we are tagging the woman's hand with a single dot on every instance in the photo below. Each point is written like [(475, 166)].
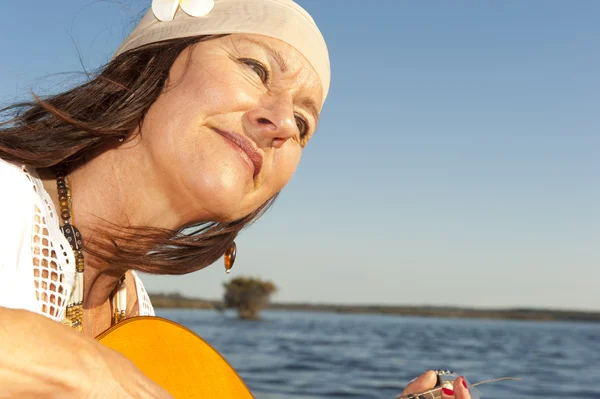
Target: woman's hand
[(40, 358), (427, 381)]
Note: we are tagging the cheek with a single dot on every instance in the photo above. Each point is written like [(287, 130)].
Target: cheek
[(214, 89), (166, 130), (201, 93), (173, 121), (285, 162)]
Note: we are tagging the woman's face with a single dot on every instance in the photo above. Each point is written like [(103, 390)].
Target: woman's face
[(228, 131)]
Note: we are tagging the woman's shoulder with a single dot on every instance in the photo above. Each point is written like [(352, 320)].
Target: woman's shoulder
[(9, 170), (16, 181), (18, 193), (16, 210), (17, 204)]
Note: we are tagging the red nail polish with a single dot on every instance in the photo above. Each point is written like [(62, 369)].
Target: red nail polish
[(464, 383), (448, 391)]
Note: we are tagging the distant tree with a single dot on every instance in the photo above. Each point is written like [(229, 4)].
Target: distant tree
[(248, 295)]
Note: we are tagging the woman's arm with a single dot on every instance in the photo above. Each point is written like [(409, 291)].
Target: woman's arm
[(40, 358)]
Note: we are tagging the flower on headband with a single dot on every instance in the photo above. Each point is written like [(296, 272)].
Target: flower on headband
[(164, 10)]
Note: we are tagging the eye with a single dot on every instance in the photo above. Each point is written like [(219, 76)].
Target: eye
[(258, 67), (302, 126)]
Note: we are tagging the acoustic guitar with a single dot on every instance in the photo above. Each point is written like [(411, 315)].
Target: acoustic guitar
[(175, 358)]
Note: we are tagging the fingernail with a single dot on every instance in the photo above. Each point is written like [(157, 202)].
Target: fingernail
[(464, 383), (448, 391)]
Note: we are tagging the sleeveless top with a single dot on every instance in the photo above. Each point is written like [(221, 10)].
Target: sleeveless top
[(37, 264)]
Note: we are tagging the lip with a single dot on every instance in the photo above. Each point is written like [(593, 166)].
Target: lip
[(247, 147)]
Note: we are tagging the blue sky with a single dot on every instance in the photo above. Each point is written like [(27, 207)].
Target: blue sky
[(457, 161)]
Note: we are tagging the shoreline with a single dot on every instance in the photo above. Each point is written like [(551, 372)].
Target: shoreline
[(161, 301)]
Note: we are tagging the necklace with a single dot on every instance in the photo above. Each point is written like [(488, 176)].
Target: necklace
[(74, 311)]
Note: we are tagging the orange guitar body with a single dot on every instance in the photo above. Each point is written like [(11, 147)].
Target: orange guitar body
[(175, 358)]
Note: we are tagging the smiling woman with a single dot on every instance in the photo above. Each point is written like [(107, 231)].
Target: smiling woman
[(243, 125), (184, 138), (155, 164)]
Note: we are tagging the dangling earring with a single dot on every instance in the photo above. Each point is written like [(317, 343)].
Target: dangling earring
[(230, 257)]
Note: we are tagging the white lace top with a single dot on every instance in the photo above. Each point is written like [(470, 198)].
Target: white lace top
[(37, 264)]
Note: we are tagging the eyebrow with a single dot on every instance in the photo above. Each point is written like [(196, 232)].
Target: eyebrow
[(308, 103)]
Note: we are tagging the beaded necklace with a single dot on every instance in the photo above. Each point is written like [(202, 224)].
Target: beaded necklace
[(74, 310)]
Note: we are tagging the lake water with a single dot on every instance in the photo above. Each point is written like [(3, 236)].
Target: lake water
[(301, 355)]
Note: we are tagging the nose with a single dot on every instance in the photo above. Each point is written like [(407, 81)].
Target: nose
[(272, 122)]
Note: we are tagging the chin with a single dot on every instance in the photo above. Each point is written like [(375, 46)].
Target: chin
[(224, 197), (226, 206), (226, 216)]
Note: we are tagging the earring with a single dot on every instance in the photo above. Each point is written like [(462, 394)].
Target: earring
[(121, 139), (230, 257)]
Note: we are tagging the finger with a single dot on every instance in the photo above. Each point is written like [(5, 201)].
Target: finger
[(448, 393), (424, 382), (458, 391), (461, 391)]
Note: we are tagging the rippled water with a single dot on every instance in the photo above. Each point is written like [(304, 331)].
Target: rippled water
[(298, 355)]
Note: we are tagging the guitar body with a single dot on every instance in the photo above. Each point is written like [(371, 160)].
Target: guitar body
[(175, 358)]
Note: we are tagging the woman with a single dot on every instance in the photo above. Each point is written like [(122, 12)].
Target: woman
[(154, 165)]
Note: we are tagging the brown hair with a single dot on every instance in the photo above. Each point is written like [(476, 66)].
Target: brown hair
[(63, 128)]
